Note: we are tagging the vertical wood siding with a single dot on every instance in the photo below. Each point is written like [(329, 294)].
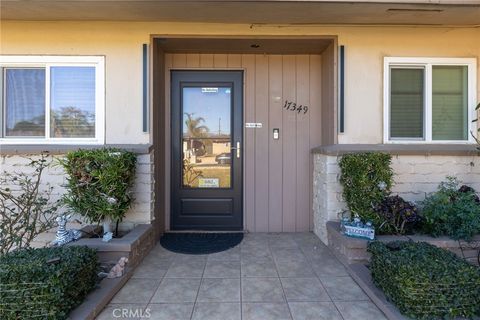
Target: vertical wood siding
[(277, 177), (329, 98), (288, 136), (275, 147), (315, 116)]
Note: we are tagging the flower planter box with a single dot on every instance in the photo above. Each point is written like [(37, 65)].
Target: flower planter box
[(354, 250), (96, 301), (134, 245)]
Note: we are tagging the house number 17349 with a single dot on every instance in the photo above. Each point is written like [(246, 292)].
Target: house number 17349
[(292, 106)]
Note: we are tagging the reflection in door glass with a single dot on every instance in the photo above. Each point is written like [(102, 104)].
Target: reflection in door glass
[(206, 137)]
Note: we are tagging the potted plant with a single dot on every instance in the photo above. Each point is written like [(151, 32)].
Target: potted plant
[(99, 184)]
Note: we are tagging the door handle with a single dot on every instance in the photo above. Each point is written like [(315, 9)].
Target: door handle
[(237, 148)]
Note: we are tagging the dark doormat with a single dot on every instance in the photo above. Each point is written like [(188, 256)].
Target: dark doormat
[(200, 243)]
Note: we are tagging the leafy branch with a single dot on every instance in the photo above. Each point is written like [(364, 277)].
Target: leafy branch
[(25, 209), (190, 174), (477, 140)]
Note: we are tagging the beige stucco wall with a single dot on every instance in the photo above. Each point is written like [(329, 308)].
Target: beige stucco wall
[(365, 50), (121, 44)]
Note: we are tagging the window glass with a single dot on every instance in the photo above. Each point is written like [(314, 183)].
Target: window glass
[(24, 102), (406, 103), (449, 103), (72, 102)]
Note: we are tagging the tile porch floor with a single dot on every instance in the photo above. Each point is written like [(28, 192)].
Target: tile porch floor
[(268, 276)]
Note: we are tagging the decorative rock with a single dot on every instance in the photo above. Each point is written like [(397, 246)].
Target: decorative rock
[(118, 269)]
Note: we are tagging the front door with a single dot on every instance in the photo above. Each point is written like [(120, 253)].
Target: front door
[(207, 150)]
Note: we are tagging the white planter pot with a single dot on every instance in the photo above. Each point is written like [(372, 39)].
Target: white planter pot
[(107, 225)]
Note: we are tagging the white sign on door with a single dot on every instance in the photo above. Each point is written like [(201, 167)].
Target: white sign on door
[(209, 90), (254, 125)]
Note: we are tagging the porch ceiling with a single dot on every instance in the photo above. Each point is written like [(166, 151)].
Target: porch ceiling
[(385, 12)]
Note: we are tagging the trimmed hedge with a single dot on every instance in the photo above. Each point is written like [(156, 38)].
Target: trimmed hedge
[(425, 282), (366, 179), (99, 183), (45, 283)]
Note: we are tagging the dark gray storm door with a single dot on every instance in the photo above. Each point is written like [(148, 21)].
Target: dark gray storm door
[(207, 150)]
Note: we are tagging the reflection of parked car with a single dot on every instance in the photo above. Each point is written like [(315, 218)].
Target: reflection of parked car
[(223, 158)]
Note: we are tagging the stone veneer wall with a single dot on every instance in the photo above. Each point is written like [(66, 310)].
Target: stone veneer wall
[(415, 177), (141, 211)]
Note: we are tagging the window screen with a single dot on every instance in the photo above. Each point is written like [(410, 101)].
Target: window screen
[(449, 103), (72, 102), (407, 103), (24, 93)]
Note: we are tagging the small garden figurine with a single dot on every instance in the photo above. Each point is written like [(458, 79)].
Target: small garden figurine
[(64, 236), (119, 269)]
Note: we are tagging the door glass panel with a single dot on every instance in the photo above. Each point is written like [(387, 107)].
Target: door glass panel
[(206, 137)]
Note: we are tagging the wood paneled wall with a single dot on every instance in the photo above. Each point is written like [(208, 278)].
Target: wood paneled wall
[(277, 173), (329, 98)]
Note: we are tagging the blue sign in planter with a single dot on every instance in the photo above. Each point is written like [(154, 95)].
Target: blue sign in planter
[(357, 229)]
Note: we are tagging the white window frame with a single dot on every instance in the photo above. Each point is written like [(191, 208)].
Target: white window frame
[(426, 64), (33, 61)]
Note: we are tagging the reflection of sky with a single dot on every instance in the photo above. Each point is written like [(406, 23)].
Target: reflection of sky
[(209, 105), (25, 96), (73, 87)]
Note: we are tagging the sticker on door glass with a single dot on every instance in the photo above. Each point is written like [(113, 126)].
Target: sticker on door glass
[(209, 90), (208, 182)]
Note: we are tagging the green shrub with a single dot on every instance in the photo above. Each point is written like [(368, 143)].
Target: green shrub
[(45, 283), (26, 208), (99, 183), (400, 216), (366, 180), (425, 282), (452, 211)]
